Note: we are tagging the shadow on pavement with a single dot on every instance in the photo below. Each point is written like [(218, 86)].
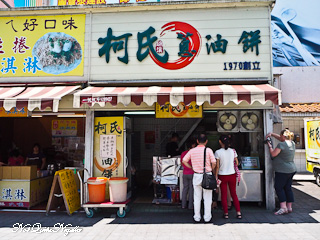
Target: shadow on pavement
[(147, 213), (304, 209)]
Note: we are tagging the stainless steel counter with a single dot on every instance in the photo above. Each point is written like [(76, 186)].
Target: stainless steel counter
[(250, 188)]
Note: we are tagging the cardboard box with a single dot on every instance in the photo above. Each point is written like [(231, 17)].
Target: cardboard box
[(1, 173), (6, 172), (15, 172), (28, 172)]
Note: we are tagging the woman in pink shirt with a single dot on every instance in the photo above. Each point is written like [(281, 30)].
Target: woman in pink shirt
[(187, 179), (16, 159)]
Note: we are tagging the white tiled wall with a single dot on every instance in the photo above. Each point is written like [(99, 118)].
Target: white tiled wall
[(163, 127), (295, 125)]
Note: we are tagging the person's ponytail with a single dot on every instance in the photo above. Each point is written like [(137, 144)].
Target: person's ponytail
[(226, 141)]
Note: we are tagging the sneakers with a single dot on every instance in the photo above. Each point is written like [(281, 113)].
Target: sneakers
[(281, 211)]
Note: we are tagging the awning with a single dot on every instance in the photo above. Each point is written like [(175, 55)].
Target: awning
[(200, 94), (9, 92), (38, 97)]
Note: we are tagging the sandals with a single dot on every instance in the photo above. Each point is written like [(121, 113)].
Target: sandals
[(289, 210), (239, 216), (225, 216), (281, 211)]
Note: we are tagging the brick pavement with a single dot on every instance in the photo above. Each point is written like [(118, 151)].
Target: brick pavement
[(147, 221)]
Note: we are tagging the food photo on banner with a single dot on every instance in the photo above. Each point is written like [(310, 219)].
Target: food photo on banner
[(42, 45), (295, 33)]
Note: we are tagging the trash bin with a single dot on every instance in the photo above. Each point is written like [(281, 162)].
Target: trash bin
[(97, 189), (118, 189)]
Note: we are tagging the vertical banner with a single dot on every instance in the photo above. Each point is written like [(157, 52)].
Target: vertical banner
[(108, 152), (313, 139)]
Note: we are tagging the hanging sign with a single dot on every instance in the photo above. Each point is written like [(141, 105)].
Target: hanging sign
[(64, 128), (180, 111), (14, 112)]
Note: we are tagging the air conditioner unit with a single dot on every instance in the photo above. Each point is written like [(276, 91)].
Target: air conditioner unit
[(228, 121), (250, 121)]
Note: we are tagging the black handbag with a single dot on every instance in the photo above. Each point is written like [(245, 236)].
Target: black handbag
[(209, 181)]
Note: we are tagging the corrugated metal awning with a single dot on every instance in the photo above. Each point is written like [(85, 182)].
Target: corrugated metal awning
[(200, 94), (38, 97)]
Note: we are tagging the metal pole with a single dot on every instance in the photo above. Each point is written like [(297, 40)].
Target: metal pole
[(5, 3)]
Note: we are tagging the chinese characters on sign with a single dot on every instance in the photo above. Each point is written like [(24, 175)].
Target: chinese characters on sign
[(313, 139), (41, 45), (61, 128), (147, 39), (242, 65), (80, 2), (69, 189), (91, 100), (217, 46), (180, 111), (14, 112), (108, 147)]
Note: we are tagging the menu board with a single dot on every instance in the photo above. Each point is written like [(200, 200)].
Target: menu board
[(64, 185), (63, 128), (69, 189)]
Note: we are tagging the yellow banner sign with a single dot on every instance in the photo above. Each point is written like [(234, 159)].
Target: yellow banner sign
[(42, 45), (80, 2), (63, 128), (69, 189), (14, 112), (313, 137), (180, 111), (108, 147)]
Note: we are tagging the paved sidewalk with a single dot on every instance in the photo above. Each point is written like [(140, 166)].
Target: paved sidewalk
[(304, 177), (147, 221)]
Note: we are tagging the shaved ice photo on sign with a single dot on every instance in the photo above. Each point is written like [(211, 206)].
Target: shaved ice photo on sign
[(57, 53)]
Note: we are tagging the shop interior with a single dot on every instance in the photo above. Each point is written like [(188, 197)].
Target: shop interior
[(61, 140), (61, 149), (149, 136)]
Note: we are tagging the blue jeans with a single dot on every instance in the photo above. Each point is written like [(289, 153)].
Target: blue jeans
[(282, 185)]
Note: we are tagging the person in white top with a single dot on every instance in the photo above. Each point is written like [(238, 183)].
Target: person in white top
[(225, 157)]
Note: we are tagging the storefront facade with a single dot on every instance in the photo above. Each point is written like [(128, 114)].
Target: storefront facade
[(181, 56), (217, 55), (31, 91)]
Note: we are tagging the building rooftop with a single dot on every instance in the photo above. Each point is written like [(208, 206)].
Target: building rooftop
[(299, 107)]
